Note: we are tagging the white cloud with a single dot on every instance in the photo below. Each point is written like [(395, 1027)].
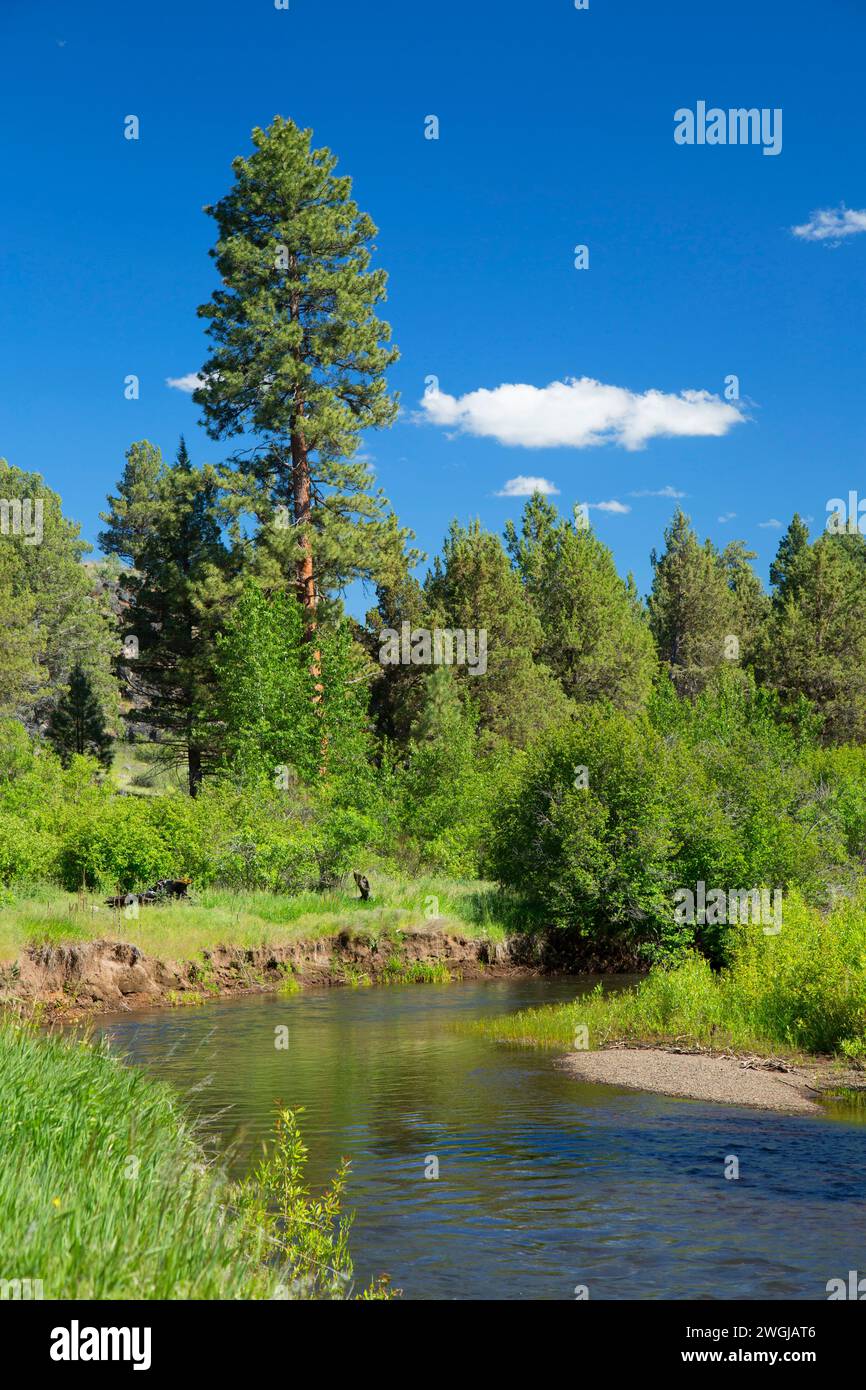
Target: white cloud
[(727, 516), (771, 523), (832, 224), (189, 383), (579, 414), (659, 492), (522, 486), (618, 508)]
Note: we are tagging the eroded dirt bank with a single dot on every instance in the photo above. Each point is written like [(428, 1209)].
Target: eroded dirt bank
[(106, 975), (95, 976), (765, 1083)]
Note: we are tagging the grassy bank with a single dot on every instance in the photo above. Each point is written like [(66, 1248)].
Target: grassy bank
[(106, 1193), (182, 930), (802, 991)]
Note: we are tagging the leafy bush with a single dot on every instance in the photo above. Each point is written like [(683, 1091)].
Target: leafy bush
[(719, 790), (118, 846)]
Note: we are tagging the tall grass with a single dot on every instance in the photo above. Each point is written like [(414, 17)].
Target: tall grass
[(802, 991), (105, 1192), (182, 930)]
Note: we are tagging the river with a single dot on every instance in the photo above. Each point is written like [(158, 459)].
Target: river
[(546, 1186)]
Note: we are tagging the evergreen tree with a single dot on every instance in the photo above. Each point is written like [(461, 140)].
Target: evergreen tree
[(55, 610), (22, 677), (691, 607), (815, 644), (792, 552), (750, 603), (594, 634), (473, 586), (398, 692), (298, 363), (77, 724), (164, 522)]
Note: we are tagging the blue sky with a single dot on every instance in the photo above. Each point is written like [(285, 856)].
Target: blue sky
[(556, 129)]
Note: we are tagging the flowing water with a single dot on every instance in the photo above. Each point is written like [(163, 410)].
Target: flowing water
[(545, 1184)]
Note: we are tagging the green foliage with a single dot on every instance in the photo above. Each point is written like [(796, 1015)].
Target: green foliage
[(595, 637), (447, 786), (51, 615), (262, 699), (117, 847), (299, 360), (474, 587), (723, 790), (77, 723), (587, 832), (70, 824), (105, 1192), (271, 709), (306, 1238), (803, 989), (814, 646)]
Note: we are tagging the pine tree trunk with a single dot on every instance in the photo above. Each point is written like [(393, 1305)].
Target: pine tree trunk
[(193, 757), (302, 496)]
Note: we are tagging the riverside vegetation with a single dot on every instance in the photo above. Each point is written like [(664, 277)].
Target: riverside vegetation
[(106, 1191), (197, 703)]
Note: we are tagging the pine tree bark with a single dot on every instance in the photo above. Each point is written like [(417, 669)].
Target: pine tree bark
[(302, 497), (194, 768), (301, 493)]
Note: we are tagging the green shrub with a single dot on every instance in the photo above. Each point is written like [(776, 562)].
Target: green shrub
[(118, 845), (719, 790)]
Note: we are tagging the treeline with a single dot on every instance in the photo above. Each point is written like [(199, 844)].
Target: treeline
[(608, 751), (612, 751)]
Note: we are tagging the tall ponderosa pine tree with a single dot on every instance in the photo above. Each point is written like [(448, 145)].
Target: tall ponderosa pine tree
[(164, 522), (298, 363), (77, 724)]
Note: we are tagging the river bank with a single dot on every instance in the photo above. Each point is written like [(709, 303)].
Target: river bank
[(69, 954), (92, 977), (108, 1191), (779, 1028)]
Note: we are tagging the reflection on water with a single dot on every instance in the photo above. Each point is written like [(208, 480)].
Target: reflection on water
[(544, 1183)]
